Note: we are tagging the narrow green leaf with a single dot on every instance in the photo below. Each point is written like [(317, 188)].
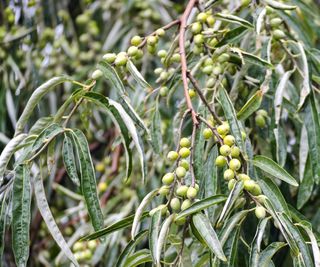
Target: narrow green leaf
[(49, 219), (279, 5), (40, 124), (138, 258), (260, 20), (233, 196), (69, 160), (201, 205), (230, 115), (267, 254), (88, 180), (250, 58), (146, 200), (233, 36), (156, 138), (233, 19), (124, 223), (3, 219), (137, 76), (21, 214), (306, 186), (273, 169), (129, 248), (153, 233), (303, 151), (250, 106), (232, 248), (281, 145), (162, 237), (204, 227), (48, 133)]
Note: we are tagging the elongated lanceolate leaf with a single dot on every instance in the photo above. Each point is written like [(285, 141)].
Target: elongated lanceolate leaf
[(156, 138), (3, 220), (69, 159), (137, 76), (267, 254), (138, 258), (250, 106), (154, 233), (233, 19), (279, 5), (50, 132)]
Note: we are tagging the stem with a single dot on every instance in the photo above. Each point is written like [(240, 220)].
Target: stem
[(184, 67)]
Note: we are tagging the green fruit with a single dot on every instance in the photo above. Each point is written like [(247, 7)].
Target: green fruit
[(249, 185), (198, 39), (225, 150), (182, 190), (121, 59), (197, 50), (260, 212), (152, 40), (229, 140), (213, 42), (136, 40), (260, 121), (164, 190), (223, 129), (151, 49), (196, 186), (175, 204), (158, 71), (82, 19), (243, 177), (196, 27), (207, 69), (163, 209), (228, 174), (208, 62), (180, 221), (109, 57), (132, 51), (243, 135), (168, 178), (92, 244), (160, 32), (223, 58), (164, 75), (162, 53), (245, 3), (278, 34), (185, 142), (184, 163), (231, 184), (235, 152), (96, 74), (235, 164), (175, 57), (163, 90), (172, 155), (275, 22), (87, 254), (102, 186), (210, 20), (78, 246), (181, 172), (207, 133), (202, 17), (217, 70), (210, 82), (185, 204), (220, 161), (262, 112), (256, 190), (261, 199), (184, 152), (192, 192), (192, 93), (139, 54)]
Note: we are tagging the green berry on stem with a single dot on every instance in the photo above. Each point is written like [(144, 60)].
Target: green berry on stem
[(260, 121), (184, 163), (175, 204), (278, 34), (231, 184), (198, 39), (235, 164), (164, 190), (162, 53), (275, 22), (182, 190), (228, 174), (121, 59), (163, 91), (185, 142), (221, 161), (207, 133), (192, 93), (184, 152), (185, 204), (136, 40), (164, 75), (261, 199), (96, 74), (223, 58), (152, 40), (229, 140), (260, 212), (158, 71), (217, 70), (262, 112), (196, 27), (109, 57), (210, 20), (192, 192), (249, 185), (160, 32), (132, 51), (175, 57), (92, 244), (225, 150), (207, 69), (223, 129), (243, 135), (181, 172), (243, 177), (172, 155), (180, 221), (256, 190), (235, 152), (202, 17), (168, 178)]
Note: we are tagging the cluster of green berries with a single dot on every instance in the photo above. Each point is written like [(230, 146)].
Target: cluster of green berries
[(275, 22), (260, 118), (83, 251), (183, 195)]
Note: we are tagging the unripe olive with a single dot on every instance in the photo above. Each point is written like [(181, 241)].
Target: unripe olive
[(184, 152), (185, 142), (235, 164), (262, 112), (235, 152), (198, 39), (82, 19), (164, 190), (202, 17), (78, 246), (208, 62), (102, 186), (210, 20), (223, 58), (175, 57), (243, 177), (163, 90), (136, 40), (249, 185), (160, 32), (181, 172), (207, 69), (96, 74), (158, 71), (269, 10), (180, 221), (172, 155), (210, 82), (175, 204), (182, 190), (229, 140), (196, 27), (185, 204), (87, 254), (225, 150), (151, 49), (261, 199), (231, 184), (132, 51), (196, 186), (223, 129), (213, 42), (217, 70), (243, 135), (162, 53), (228, 174), (278, 34), (100, 167), (207, 133), (220, 161), (168, 178), (92, 244), (139, 54), (260, 121), (164, 75), (192, 93), (256, 190), (245, 3), (197, 50), (275, 22), (109, 57), (192, 192), (121, 59), (260, 212), (163, 209), (152, 40), (184, 163)]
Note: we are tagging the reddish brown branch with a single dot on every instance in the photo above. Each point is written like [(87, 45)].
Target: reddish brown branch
[(184, 67)]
